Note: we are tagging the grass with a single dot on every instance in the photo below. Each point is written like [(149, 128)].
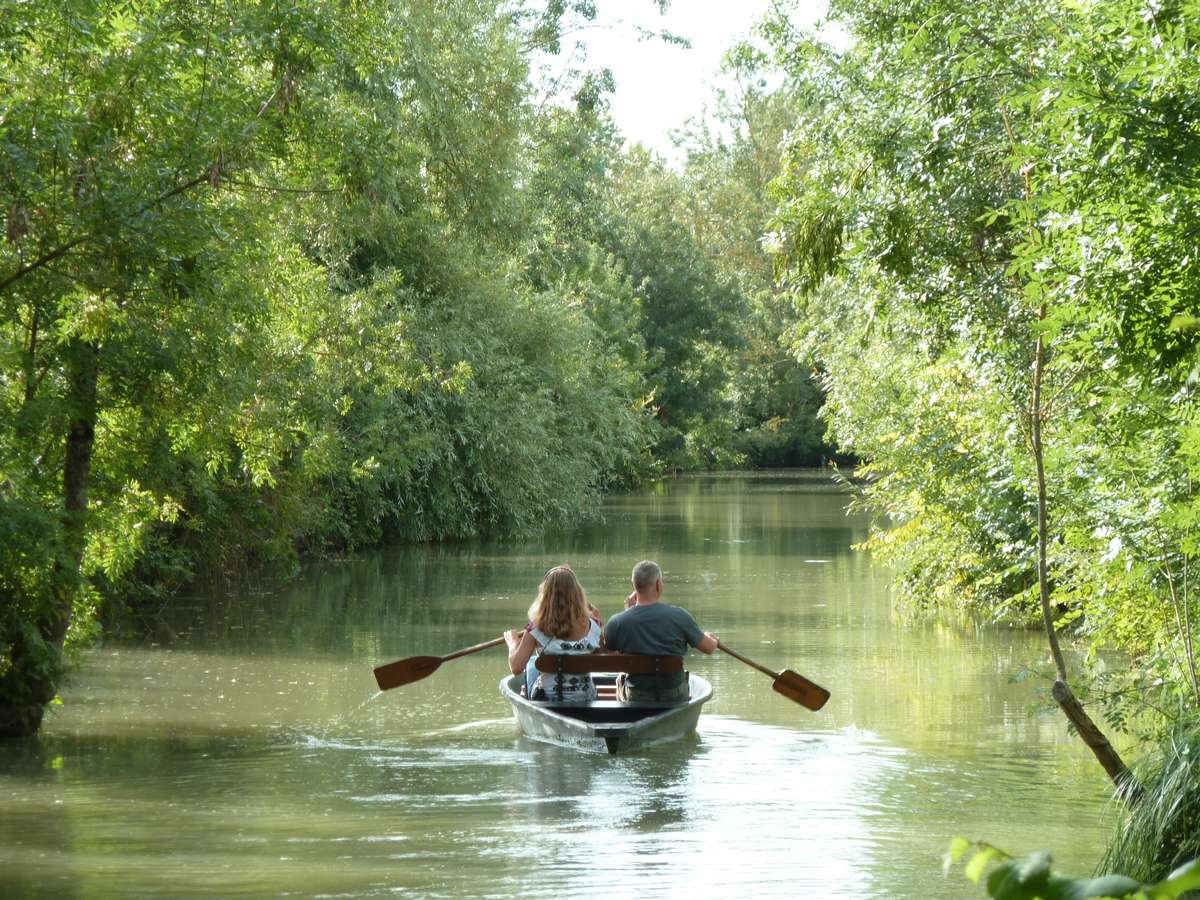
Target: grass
[(1163, 829)]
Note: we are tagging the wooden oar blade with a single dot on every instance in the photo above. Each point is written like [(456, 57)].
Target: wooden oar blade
[(796, 687), (406, 671)]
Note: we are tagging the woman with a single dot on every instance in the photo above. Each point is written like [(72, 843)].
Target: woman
[(560, 622)]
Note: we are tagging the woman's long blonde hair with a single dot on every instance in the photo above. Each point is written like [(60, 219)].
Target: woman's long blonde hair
[(561, 606)]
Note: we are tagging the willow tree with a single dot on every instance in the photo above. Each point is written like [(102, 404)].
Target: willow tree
[(143, 154), (995, 264), (260, 292)]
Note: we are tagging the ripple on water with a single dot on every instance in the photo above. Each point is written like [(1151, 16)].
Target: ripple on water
[(273, 768), (743, 807), (679, 815)]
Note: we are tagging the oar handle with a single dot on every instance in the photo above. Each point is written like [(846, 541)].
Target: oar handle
[(457, 653), (749, 662)]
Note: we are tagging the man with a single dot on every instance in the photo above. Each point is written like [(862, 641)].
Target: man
[(657, 629)]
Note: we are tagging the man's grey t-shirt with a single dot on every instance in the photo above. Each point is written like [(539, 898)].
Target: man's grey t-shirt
[(656, 629)]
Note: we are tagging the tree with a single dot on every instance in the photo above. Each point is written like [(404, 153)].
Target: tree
[(131, 143), (728, 171), (985, 239), (259, 294)]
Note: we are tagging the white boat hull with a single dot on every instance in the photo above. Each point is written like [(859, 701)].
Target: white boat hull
[(605, 725)]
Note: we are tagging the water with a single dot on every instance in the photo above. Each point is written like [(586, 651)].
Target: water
[(250, 754)]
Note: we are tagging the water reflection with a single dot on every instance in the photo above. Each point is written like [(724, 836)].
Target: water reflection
[(251, 753)]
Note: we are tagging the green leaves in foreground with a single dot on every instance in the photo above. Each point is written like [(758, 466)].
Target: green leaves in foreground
[(1030, 877)]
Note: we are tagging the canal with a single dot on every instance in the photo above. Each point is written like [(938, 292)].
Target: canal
[(245, 751)]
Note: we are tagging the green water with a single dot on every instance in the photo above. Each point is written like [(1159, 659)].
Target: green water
[(249, 753)]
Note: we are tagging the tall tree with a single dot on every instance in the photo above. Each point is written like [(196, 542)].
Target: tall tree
[(132, 137), (258, 292), (985, 239), (732, 159)]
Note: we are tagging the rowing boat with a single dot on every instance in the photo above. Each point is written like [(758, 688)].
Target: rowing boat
[(605, 724)]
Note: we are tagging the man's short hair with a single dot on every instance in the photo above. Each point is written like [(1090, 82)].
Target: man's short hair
[(645, 574)]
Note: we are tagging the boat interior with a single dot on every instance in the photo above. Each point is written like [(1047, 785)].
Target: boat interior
[(605, 708)]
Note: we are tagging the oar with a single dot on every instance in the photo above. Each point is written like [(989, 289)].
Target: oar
[(406, 671), (791, 684)]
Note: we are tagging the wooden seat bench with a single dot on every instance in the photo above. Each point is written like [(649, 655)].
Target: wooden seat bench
[(630, 663)]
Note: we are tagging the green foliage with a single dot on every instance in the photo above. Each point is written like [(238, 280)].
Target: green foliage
[(688, 312), (675, 277), (260, 294), (1031, 878), (771, 392), (1013, 175), (289, 279), (1163, 829)]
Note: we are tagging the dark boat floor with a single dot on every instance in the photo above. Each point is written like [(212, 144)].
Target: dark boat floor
[(606, 711)]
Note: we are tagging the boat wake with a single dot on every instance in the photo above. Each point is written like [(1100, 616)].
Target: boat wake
[(480, 725)]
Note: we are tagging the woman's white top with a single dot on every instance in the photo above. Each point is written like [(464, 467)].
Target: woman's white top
[(575, 687)]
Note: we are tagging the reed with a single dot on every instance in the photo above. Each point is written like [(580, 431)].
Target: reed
[(1163, 829)]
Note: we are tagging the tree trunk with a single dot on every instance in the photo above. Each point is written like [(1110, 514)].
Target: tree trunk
[(36, 656), (82, 372), (1105, 753)]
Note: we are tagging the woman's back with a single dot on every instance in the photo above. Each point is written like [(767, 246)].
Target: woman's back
[(568, 688)]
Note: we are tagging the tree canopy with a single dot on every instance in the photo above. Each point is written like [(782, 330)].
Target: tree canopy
[(997, 259), (285, 279)]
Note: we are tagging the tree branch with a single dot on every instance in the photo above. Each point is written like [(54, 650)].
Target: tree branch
[(63, 249)]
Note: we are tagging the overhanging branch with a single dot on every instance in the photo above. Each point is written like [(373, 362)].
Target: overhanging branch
[(59, 252)]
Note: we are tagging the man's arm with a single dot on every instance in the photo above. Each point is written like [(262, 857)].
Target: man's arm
[(704, 641)]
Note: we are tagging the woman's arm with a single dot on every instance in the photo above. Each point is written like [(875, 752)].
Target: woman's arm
[(521, 645)]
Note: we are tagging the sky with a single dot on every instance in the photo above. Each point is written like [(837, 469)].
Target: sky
[(659, 85)]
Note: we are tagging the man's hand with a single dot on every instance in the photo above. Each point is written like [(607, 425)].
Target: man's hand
[(631, 600), (709, 643)]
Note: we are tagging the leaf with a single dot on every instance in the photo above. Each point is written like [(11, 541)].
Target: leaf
[(1105, 886), (1184, 322), (958, 846), (979, 862), (1020, 879), (1185, 878)]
